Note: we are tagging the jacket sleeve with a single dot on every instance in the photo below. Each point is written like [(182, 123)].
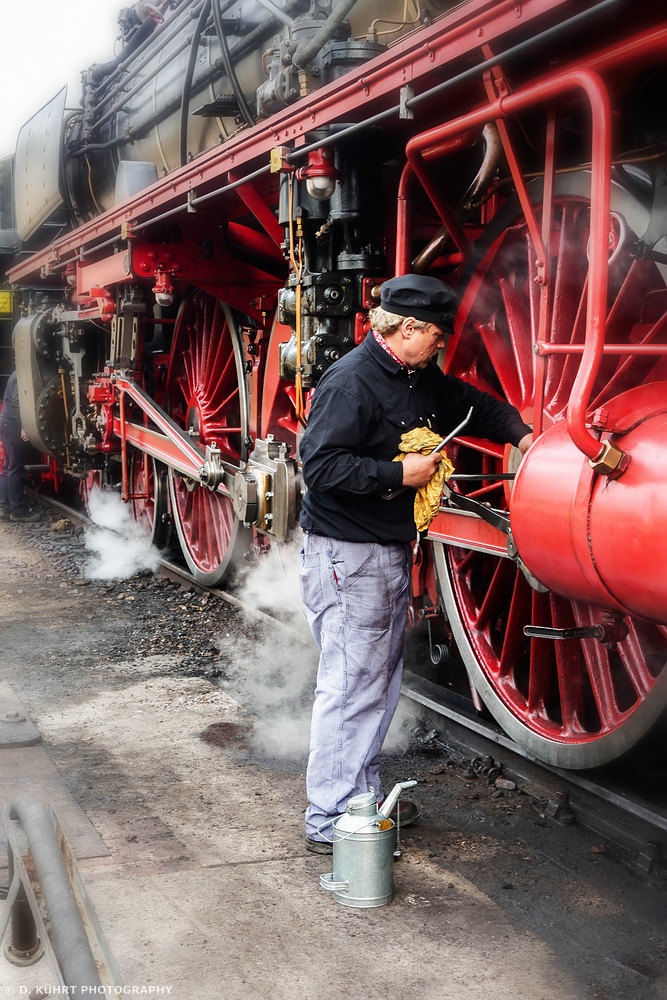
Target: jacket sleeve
[(492, 418), (332, 448)]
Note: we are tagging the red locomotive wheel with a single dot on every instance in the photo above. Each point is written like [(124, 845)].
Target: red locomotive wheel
[(92, 480), (208, 397), (150, 498), (571, 703)]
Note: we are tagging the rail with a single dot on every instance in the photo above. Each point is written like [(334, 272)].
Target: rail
[(42, 869)]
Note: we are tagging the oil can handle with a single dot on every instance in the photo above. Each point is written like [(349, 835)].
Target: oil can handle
[(327, 882)]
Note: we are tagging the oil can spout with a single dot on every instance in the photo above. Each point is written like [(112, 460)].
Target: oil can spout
[(392, 798)]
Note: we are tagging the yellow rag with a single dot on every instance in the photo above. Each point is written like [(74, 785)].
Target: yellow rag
[(427, 499)]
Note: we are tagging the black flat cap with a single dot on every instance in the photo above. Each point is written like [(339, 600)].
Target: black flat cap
[(420, 296)]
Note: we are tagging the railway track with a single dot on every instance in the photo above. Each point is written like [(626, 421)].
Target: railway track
[(628, 810)]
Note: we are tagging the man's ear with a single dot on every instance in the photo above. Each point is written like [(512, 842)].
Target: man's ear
[(407, 327)]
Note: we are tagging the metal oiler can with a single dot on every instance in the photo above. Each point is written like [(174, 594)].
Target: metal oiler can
[(364, 841)]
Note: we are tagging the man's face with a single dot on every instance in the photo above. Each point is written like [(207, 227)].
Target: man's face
[(418, 346)]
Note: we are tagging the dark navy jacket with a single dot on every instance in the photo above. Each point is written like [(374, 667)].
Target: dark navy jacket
[(10, 403), (361, 407)]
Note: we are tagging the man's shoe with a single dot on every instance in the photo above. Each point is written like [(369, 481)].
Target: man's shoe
[(26, 516), (5, 512), (409, 812), (319, 846)]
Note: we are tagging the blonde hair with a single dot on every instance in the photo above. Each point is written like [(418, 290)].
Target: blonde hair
[(385, 322)]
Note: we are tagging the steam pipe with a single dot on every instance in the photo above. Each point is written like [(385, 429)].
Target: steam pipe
[(309, 50), (143, 32), (403, 221), (262, 30), (492, 151), (139, 86), (187, 82), (141, 128), (70, 940), (235, 54), (229, 65), (159, 28), (276, 12)]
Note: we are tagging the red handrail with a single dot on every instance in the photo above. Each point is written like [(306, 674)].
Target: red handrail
[(543, 91)]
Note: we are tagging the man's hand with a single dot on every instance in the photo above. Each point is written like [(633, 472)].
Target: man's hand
[(525, 443), (419, 469)]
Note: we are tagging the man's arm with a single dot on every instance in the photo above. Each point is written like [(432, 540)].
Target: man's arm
[(331, 448), (492, 418)]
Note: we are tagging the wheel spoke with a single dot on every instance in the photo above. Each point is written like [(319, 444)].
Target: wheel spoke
[(190, 379), (568, 669), (467, 562), (542, 659), (215, 359), (500, 353), (632, 657), (223, 406), (639, 280), (631, 370), (519, 328), (496, 596), (482, 447), (485, 491), (570, 364), (514, 640), (228, 370)]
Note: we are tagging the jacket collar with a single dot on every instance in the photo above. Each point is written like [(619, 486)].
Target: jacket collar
[(381, 356)]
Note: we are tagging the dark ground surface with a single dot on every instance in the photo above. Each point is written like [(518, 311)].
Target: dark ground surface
[(605, 925)]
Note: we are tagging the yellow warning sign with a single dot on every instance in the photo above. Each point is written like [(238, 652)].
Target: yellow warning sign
[(6, 303)]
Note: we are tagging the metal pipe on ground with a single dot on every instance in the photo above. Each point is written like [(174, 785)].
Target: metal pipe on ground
[(70, 940)]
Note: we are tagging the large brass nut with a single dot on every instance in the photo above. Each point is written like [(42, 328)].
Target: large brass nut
[(610, 461)]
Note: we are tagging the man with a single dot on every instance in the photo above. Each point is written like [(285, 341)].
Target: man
[(357, 553), (13, 505)]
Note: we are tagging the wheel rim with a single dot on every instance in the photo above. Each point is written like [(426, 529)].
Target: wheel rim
[(208, 398), (571, 703), (149, 492)]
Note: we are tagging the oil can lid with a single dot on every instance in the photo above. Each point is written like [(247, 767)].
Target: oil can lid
[(364, 804)]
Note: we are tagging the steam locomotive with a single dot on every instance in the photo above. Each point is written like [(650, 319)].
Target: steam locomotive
[(204, 235)]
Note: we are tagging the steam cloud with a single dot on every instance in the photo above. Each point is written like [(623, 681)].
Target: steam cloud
[(272, 672), (119, 545)]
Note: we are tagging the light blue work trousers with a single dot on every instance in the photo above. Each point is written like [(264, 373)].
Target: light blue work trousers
[(356, 595)]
